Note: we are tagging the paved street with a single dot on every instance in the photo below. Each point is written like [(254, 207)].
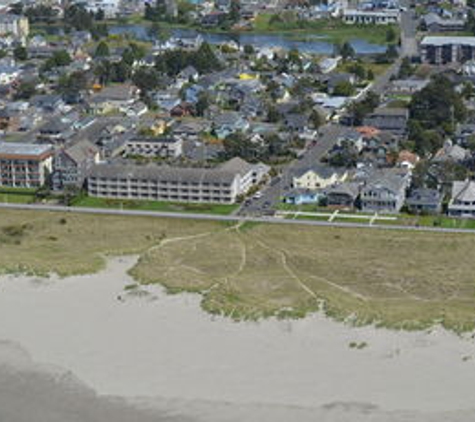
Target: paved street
[(408, 34)]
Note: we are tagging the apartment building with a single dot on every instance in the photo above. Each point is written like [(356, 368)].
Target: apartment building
[(25, 165), (442, 50), (223, 184), (155, 147)]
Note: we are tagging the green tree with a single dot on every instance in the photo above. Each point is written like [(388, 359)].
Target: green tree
[(202, 104), (25, 90), (41, 13), (248, 50), (273, 115), (344, 89), (391, 35), (468, 90), (102, 50), (58, 59), (73, 84), (438, 106), (347, 51), (77, 17), (16, 8), (316, 119), (146, 79), (406, 69), (20, 53), (358, 110)]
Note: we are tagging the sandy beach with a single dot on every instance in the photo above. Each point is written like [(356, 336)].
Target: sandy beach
[(164, 354)]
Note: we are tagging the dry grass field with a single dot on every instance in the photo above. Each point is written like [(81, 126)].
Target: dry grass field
[(397, 279)]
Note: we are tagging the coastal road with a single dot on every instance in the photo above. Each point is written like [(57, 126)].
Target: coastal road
[(230, 218)]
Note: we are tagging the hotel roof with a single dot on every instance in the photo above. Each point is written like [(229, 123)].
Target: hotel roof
[(441, 41)]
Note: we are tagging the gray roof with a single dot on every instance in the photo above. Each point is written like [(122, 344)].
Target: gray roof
[(81, 151), (221, 174), (154, 140), (237, 165), (230, 118), (13, 148), (320, 169), (463, 191), (441, 41), (392, 179), (55, 126), (391, 111), (424, 196), (433, 18), (451, 152), (346, 188)]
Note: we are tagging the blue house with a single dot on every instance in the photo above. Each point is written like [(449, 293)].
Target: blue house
[(301, 197)]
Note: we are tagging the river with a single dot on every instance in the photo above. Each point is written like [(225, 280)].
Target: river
[(310, 43)]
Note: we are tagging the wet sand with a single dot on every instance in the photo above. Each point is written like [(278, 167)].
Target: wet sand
[(166, 355)]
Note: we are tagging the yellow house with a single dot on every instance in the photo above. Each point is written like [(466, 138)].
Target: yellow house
[(159, 127), (248, 76), (318, 177)]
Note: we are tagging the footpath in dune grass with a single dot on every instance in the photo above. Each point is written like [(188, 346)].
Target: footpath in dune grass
[(391, 278)]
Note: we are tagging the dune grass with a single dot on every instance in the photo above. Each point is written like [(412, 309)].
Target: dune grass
[(396, 279)]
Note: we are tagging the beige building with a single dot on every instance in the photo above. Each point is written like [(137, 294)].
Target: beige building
[(25, 165), (318, 177)]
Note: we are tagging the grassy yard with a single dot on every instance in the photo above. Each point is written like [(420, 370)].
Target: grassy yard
[(17, 195), (87, 201), (377, 68), (332, 30), (389, 278)]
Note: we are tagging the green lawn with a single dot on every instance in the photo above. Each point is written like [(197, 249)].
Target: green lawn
[(17, 195), (87, 201), (332, 30), (13, 198)]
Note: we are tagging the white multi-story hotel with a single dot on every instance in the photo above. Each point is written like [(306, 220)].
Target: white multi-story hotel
[(223, 184)]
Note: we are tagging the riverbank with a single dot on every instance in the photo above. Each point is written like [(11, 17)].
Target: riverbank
[(162, 352), (330, 31)]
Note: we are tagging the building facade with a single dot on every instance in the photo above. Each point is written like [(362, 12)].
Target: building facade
[(71, 165), (462, 201), (384, 193), (155, 147), (384, 17), (25, 165)]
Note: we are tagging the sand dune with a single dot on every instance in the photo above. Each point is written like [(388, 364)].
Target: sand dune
[(164, 353)]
